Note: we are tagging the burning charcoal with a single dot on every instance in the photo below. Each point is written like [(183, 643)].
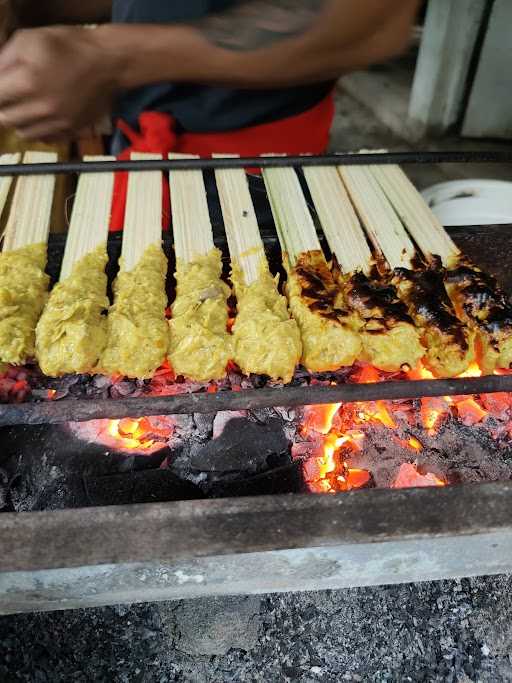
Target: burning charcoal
[(146, 486), (242, 446), (285, 479), (125, 388), (101, 381)]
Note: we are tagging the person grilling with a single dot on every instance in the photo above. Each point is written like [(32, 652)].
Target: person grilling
[(203, 76)]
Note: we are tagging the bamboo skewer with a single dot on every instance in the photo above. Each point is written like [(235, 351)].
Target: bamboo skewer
[(420, 221), (23, 281), (200, 346), (266, 340), (375, 210), (477, 297), (29, 217), (72, 331), (449, 342), (137, 336), (329, 337), (390, 341)]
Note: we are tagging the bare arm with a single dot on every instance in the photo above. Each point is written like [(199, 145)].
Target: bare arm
[(57, 79), (268, 43)]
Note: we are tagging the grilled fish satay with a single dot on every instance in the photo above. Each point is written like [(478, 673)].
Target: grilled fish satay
[(330, 339), (448, 340), (477, 297), (487, 308), (72, 331), (200, 346), (23, 281), (390, 340), (137, 331), (266, 339)]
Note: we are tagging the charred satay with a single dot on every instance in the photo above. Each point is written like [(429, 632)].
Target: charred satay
[(390, 341), (476, 295), (72, 331), (449, 341), (23, 281), (266, 340), (329, 330)]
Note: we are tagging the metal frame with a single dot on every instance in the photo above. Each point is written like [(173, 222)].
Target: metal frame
[(350, 158)]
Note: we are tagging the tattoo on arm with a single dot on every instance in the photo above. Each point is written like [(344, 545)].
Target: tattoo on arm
[(253, 24)]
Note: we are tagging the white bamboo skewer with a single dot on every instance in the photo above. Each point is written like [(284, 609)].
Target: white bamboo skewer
[(416, 215), (375, 210), (29, 217), (192, 227), (88, 228), (240, 222), (293, 220), (143, 215), (339, 219)]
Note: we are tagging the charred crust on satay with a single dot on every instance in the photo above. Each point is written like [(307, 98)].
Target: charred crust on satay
[(427, 296), (481, 298)]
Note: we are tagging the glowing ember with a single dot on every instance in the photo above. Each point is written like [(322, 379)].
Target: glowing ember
[(143, 435), (319, 418), (408, 476), (470, 412)]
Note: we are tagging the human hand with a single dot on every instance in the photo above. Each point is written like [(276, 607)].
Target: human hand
[(54, 81)]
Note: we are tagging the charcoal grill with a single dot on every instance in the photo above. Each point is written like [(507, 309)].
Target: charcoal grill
[(102, 555)]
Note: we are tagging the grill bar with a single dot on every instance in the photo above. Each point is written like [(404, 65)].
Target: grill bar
[(499, 156), (55, 412)]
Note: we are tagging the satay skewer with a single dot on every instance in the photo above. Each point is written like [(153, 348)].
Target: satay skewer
[(200, 345), (23, 281), (476, 295), (390, 341), (137, 331), (449, 341), (72, 332), (330, 339), (266, 340)]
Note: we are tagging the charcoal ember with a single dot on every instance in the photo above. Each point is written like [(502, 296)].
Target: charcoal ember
[(123, 388), (222, 418), (286, 414), (101, 382), (287, 478), (204, 424), (139, 486), (242, 446)]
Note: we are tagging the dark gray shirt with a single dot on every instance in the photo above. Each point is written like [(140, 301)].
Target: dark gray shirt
[(200, 108)]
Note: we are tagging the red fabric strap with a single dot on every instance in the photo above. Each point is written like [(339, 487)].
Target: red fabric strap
[(305, 133)]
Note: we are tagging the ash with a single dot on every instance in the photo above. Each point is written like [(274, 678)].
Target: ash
[(457, 454)]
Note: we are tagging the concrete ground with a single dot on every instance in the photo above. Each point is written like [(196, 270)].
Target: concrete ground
[(456, 631)]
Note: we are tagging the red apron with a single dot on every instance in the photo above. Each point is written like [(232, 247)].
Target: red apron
[(305, 133)]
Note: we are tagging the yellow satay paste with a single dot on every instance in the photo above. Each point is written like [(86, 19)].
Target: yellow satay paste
[(329, 336), (137, 336), (23, 294), (266, 340), (392, 349), (200, 345), (72, 331)]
